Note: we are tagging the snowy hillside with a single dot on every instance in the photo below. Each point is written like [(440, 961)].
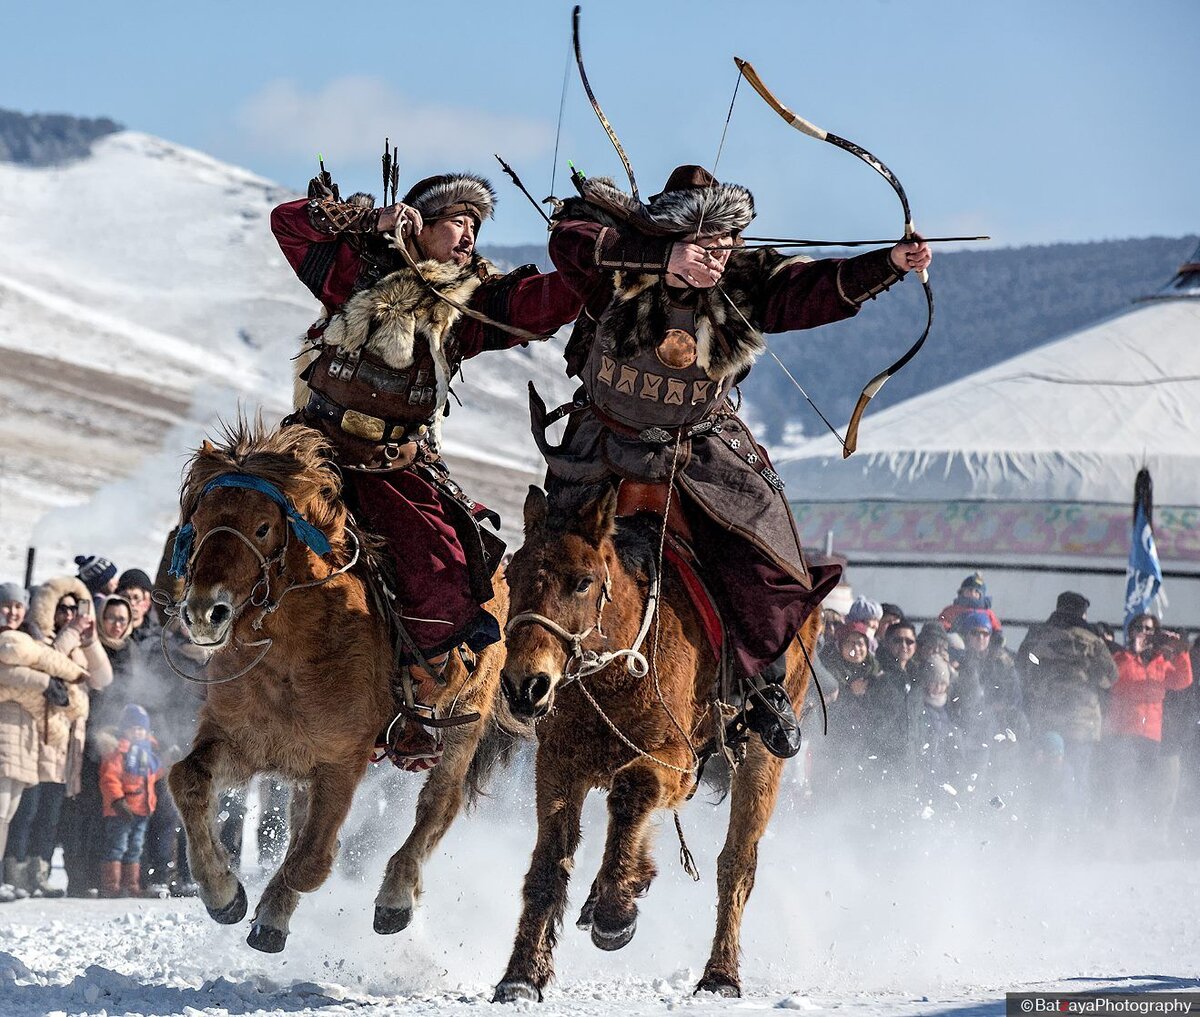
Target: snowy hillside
[(145, 297)]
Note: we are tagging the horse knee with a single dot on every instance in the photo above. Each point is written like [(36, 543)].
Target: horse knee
[(633, 794), (189, 784), (307, 874)]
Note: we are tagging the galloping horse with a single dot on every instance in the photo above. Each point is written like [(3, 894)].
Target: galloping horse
[(299, 681), (582, 584)]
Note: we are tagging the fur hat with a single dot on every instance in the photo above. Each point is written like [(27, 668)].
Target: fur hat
[(452, 194), (95, 571), (13, 593), (692, 207)]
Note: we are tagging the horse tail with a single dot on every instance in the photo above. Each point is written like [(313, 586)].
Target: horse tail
[(502, 737)]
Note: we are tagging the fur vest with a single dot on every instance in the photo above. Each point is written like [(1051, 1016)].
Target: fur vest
[(728, 339), (390, 317)]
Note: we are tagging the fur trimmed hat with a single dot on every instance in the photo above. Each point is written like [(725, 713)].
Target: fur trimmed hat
[(693, 202), (450, 194)]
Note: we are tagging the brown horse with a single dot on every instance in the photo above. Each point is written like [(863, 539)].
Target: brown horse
[(580, 582), (300, 675)]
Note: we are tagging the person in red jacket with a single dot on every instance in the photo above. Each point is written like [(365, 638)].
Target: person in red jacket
[(127, 778), (1152, 663)]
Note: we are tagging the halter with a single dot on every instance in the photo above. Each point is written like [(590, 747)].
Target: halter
[(588, 662), (184, 557)]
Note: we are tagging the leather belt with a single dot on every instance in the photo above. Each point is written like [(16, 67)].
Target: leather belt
[(363, 425), (659, 435)]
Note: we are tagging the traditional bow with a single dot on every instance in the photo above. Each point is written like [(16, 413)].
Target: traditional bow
[(747, 71)]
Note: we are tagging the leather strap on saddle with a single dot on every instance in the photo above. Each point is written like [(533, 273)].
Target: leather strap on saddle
[(634, 496)]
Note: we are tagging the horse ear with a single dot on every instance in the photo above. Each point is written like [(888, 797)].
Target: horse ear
[(598, 518), (207, 447), (536, 510)]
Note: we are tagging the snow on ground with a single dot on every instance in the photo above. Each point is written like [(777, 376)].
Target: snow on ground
[(843, 919)]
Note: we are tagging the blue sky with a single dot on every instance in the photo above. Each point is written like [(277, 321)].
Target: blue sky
[(1032, 120)]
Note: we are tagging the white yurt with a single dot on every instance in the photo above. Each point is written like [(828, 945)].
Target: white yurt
[(1025, 472)]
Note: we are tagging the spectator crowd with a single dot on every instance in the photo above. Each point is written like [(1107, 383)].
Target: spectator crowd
[(1075, 729)]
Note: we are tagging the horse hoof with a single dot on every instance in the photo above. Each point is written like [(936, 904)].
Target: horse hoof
[(517, 992), (233, 912), (613, 939), (584, 921), (266, 939), (718, 987), (391, 920)]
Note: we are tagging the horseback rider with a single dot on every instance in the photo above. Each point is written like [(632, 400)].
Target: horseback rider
[(407, 299), (674, 315)]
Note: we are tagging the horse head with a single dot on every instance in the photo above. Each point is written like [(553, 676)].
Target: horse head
[(257, 510), (559, 582)]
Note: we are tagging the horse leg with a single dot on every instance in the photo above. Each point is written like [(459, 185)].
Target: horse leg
[(311, 849), (437, 805), (638, 789), (646, 871), (752, 802), (197, 782), (531, 965)]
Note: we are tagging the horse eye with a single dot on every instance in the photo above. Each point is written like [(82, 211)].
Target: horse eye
[(262, 531), (584, 585)]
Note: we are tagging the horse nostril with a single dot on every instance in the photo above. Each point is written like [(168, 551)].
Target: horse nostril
[(219, 614), (537, 688)]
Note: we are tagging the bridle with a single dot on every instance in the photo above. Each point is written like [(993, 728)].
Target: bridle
[(588, 662), (185, 556)]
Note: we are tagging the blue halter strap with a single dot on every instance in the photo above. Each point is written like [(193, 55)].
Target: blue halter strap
[(301, 527)]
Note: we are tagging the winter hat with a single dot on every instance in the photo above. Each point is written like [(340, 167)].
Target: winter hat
[(972, 621), (693, 200), (1072, 605), (894, 609), (134, 716), (95, 571), (135, 579), (857, 628), (864, 610), (450, 194), (974, 582), (12, 593)]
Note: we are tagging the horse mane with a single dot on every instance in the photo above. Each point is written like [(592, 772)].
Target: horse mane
[(637, 537), (296, 459)]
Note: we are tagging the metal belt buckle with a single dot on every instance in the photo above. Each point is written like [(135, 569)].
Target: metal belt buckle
[(362, 425), (655, 436)]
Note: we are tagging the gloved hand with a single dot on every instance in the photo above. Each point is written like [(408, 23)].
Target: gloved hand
[(56, 692)]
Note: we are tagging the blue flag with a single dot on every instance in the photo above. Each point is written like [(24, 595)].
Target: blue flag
[(1144, 574)]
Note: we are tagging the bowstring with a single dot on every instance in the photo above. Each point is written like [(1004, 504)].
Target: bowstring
[(562, 105), (729, 300)]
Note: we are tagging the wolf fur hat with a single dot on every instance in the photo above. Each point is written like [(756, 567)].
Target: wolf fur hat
[(452, 194)]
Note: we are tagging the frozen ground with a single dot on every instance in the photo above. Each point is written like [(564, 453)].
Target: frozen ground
[(843, 919)]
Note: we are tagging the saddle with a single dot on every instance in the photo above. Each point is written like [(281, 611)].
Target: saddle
[(634, 498)]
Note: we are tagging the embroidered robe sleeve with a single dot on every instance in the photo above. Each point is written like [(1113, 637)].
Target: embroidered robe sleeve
[(537, 302), (326, 262)]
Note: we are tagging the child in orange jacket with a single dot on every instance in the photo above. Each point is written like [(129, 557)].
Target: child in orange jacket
[(127, 778)]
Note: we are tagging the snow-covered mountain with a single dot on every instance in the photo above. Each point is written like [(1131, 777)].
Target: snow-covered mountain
[(142, 296)]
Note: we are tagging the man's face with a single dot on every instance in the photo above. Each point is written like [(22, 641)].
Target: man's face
[(977, 641), (719, 247), (139, 600), (451, 239), (902, 641)]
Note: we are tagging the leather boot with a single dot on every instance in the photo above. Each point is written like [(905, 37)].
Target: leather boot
[(769, 712), (131, 879), (15, 876), (39, 880), (110, 879)]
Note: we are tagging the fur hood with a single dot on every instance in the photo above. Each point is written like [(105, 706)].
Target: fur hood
[(45, 599), (722, 208), (387, 318)]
